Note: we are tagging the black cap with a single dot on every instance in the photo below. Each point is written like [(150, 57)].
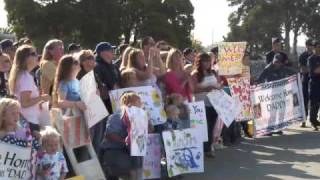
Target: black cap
[(104, 46), (6, 43), (73, 46)]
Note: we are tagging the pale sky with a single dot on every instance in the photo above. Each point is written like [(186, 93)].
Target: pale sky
[(211, 20)]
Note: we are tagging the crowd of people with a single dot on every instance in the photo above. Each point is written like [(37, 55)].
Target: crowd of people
[(29, 80)]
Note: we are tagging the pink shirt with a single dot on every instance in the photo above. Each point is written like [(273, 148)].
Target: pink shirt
[(174, 85), (25, 82)]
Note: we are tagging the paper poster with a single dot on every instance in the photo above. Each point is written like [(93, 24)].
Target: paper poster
[(151, 99), (96, 110), (230, 57), (151, 161), (240, 89), (139, 131), (15, 162), (227, 107), (277, 105), (184, 152), (73, 129), (198, 119)]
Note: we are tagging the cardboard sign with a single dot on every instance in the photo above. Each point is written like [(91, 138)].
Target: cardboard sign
[(151, 161), (151, 98), (230, 57), (198, 119), (184, 152)]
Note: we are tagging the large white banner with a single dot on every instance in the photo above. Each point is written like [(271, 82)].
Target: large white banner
[(15, 162), (151, 161), (151, 98), (184, 151), (276, 105), (198, 119), (139, 131), (96, 110), (227, 108)]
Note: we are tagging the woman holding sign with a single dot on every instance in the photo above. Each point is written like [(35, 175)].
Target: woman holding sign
[(206, 80)]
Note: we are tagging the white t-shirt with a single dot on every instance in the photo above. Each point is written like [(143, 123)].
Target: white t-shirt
[(206, 82), (25, 82)]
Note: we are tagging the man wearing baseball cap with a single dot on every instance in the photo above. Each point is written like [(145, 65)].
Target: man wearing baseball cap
[(276, 48), (106, 72), (314, 89), (8, 48)]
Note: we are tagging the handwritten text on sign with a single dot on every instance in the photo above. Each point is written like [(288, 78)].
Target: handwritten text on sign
[(230, 57), (198, 119), (15, 162)]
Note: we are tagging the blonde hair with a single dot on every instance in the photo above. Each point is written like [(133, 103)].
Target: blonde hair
[(126, 76), (129, 97), (125, 57), (19, 65), (84, 55), (132, 60), (173, 53), (51, 44), (48, 133), (5, 104)]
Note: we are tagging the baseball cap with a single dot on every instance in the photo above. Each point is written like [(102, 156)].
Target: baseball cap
[(103, 46), (73, 46), (6, 43), (276, 40)]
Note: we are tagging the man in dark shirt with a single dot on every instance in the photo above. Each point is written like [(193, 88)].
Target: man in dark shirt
[(314, 85), (276, 48), (107, 73), (276, 70), (303, 65)]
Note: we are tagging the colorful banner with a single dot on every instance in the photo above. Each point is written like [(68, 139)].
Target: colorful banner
[(198, 119), (227, 107), (184, 151), (230, 57), (277, 105), (96, 110), (151, 161), (240, 89), (15, 162), (151, 98), (139, 131)]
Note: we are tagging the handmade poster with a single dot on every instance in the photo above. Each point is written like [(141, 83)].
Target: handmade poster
[(139, 131), (227, 108), (15, 162), (96, 110), (230, 57), (240, 89), (151, 161), (72, 127), (198, 119), (151, 99), (184, 152), (277, 105)]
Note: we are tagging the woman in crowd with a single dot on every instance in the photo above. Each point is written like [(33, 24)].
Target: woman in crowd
[(66, 87), (176, 80), (206, 80), (87, 62), (125, 58), (52, 52), (5, 65), (144, 71), (22, 85)]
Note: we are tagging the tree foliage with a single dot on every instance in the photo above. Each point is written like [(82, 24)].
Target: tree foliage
[(257, 21), (91, 21)]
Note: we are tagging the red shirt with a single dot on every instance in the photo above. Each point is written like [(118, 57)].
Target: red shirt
[(174, 85)]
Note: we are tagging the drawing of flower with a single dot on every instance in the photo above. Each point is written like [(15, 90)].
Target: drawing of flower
[(156, 98)]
